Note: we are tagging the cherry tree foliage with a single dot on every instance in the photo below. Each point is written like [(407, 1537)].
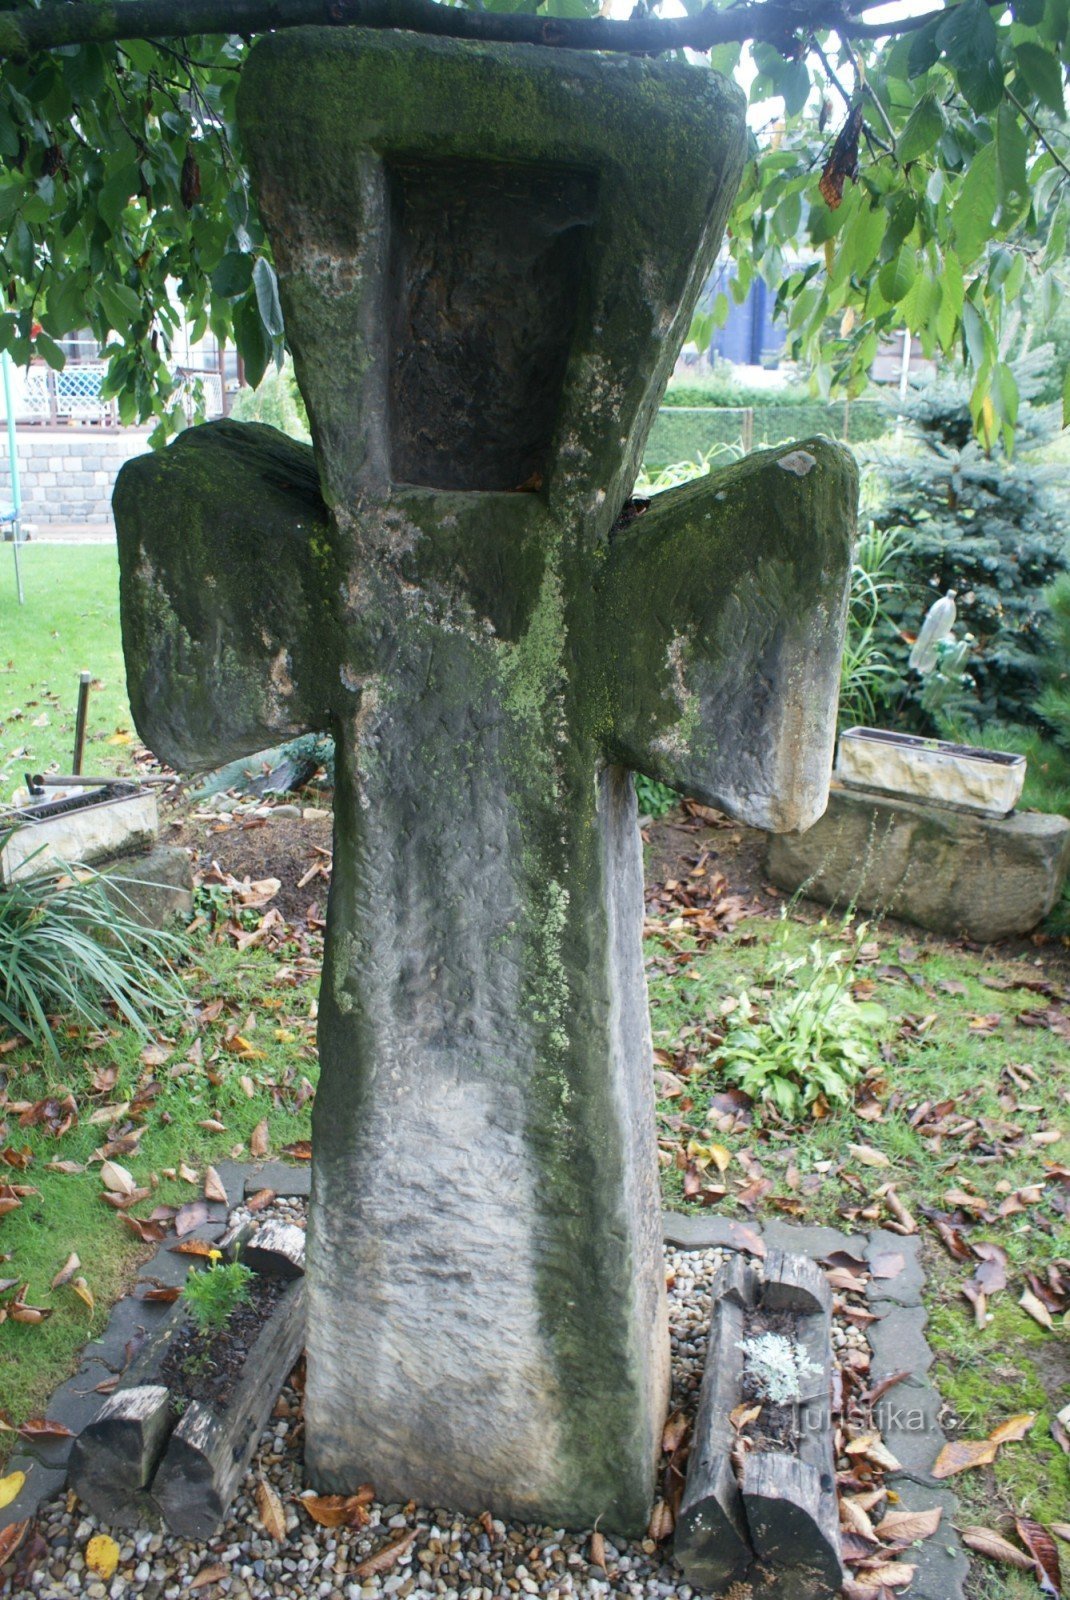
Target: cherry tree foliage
[(912, 172)]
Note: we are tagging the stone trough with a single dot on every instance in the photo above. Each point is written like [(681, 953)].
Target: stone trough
[(110, 825), (926, 831)]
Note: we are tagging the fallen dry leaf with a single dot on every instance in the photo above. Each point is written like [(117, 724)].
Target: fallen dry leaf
[(117, 1178), (868, 1156), (11, 1538), (993, 1545), (213, 1186), (272, 1515), (84, 1293), (337, 1510), (906, 1526), (1036, 1309), (67, 1271), (102, 1556), (190, 1216), (150, 1232), (11, 1488), (387, 1556), (210, 1575), (1014, 1428), (674, 1433), (1041, 1546), (662, 1522), (259, 1139), (963, 1454), (891, 1575)]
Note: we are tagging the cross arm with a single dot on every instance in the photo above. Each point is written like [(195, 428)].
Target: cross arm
[(226, 585), (721, 614)]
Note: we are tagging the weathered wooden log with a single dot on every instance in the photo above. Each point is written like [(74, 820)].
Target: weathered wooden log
[(113, 1460), (783, 1499), (795, 1283), (210, 1449), (711, 1542), (276, 1249)]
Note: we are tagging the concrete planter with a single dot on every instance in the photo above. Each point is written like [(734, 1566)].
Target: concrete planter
[(48, 835), (986, 781)]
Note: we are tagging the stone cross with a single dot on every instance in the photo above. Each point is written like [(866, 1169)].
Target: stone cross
[(488, 257)]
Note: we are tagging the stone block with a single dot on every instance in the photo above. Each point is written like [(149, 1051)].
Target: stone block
[(949, 871), (155, 887)]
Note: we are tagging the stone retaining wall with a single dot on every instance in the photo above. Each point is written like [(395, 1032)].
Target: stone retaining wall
[(67, 474)]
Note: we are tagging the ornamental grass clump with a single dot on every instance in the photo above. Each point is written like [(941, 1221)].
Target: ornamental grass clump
[(805, 1047), (73, 948)]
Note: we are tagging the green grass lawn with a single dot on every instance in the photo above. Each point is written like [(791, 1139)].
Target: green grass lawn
[(994, 1068), (69, 624), (186, 1098)]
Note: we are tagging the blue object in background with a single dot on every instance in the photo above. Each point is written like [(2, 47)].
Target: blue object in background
[(750, 337)]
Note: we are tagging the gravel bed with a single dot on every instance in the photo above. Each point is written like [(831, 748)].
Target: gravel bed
[(473, 1558)]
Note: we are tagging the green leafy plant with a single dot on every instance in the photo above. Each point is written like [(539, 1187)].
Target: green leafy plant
[(70, 945), (805, 1046), (868, 675), (212, 1295), (654, 798)]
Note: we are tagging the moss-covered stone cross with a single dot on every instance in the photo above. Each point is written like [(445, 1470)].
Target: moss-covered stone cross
[(488, 257)]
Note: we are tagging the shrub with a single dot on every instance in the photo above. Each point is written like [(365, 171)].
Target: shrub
[(982, 526), (69, 945), (277, 402)]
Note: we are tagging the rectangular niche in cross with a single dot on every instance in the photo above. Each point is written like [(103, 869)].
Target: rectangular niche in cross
[(486, 267)]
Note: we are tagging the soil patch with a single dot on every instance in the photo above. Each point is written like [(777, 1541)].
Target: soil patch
[(207, 1366), (287, 848), (676, 842)]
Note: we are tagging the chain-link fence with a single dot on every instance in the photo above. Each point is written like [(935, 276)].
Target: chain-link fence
[(690, 433)]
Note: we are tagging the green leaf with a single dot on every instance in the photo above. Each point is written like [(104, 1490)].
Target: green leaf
[(897, 276), (1012, 149), (233, 275), (44, 346), (121, 305), (254, 346), (969, 42), (1005, 394), (266, 286), (1042, 75), (1066, 398), (971, 218), (115, 194), (924, 126), (1030, 13), (924, 49), (976, 333), (952, 295)]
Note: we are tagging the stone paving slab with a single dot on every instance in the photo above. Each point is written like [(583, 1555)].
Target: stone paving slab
[(289, 1183), (898, 1340), (905, 1287), (942, 1565)]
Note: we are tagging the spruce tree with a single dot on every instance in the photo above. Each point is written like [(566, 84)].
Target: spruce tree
[(985, 527)]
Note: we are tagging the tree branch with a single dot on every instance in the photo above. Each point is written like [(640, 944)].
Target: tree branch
[(26, 31)]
